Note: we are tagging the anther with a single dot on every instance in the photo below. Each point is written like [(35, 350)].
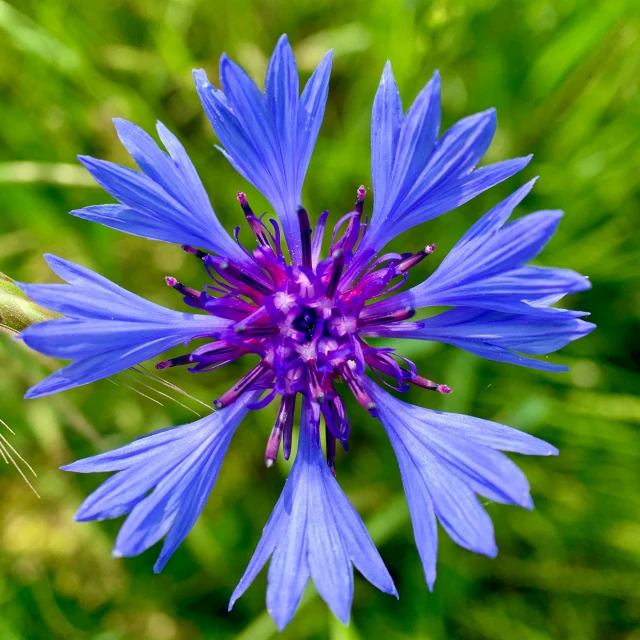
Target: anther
[(305, 235), (394, 316), (242, 199), (175, 362), (226, 268), (362, 192), (416, 258), (317, 392), (336, 272), (253, 331), (419, 381), (273, 444), (194, 252), (355, 386), (285, 418), (242, 385), (254, 222), (331, 451), (185, 291)]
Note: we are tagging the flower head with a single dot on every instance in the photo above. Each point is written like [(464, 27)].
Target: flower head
[(271, 293)]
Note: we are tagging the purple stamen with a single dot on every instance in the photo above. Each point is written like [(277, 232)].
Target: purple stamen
[(362, 192), (317, 392), (256, 225), (175, 362), (187, 292), (416, 258), (355, 386), (194, 252), (253, 331), (273, 444), (242, 385), (284, 422), (336, 272), (305, 235), (419, 381), (318, 236), (230, 271), (331, 451), (393, 316)]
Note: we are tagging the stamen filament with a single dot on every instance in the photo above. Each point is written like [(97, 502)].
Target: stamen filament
[(305, 235), (416, 258), (242, 385), (194, 252), (336, 272), (355, 386), (255, 331), (315, 387), (331, 450), (188, 292), (419, 381), (362, 192), (255, 224), (227, 269), (175, 362), (285, 418), (393, 316)]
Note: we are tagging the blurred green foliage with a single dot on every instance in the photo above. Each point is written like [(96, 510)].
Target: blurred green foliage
[(564, 76)]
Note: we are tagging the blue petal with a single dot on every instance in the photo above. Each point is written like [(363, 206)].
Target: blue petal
[(166, 201), (289, 570), (107, 329), (269, 138), (444, 460), (313, 532), (486, 268), (418, 138), (417, 177), (329, 561), (386, 122), (486, 471), (494, 335), (458, 191), (310, 114), (151, 519), (180, 465), (282, 91), (356, 539), (271, 536), (425, 527)]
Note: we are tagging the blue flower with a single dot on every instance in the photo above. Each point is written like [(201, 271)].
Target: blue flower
[(307, 318)]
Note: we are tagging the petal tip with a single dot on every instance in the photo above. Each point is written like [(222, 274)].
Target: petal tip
[(32, 393), (527, 502)]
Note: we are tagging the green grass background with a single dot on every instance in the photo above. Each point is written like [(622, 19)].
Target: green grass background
[(564, 77)]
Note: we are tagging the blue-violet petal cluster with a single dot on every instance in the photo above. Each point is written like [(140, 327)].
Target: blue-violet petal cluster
[(307, 315)]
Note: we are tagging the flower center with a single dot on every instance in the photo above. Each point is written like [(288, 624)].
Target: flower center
[(304, 321)]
